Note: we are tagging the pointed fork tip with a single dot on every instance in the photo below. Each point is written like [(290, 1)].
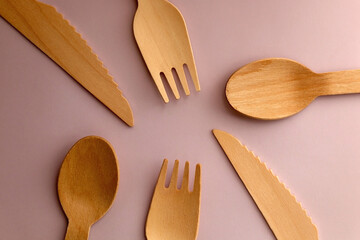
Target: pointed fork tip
[(185, 181), (194, 76), (198, 169), (174, 175), (197, 85), (162, 174), (197, 181), (171, 81), (164, 97)]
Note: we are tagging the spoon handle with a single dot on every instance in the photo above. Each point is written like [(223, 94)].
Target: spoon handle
[(76, 232), (342, 82)]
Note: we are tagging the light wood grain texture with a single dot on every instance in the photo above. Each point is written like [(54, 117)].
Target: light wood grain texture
[(87, 184), (276, 88), (162, 37), (174, 213), (285, 216), (52, 34)]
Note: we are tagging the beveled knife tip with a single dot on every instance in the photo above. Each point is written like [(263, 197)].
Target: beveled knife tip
[(215, 131), (127, 114), (218, 132), (129, 121)]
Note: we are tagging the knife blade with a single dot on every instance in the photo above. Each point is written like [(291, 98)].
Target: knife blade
[(51, 33), (285, 216)]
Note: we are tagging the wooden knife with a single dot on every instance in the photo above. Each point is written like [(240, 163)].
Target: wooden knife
[(285, 216), (52, 34)]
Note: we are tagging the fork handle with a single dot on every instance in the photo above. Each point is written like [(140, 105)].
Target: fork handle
[(77, 231)]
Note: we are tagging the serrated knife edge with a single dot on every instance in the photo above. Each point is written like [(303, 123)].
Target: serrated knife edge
[(284, 214)]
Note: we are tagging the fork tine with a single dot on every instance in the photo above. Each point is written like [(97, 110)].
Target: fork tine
[(160, 86), (174, 175), (194, 76), (180, 72), (162, 175), (185, 181), (197, 181), (170, 79)]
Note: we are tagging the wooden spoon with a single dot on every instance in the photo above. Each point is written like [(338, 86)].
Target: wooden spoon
[(87, 184), (276, 88)]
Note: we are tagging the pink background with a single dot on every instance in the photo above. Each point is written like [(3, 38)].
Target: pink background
[(316, 153)]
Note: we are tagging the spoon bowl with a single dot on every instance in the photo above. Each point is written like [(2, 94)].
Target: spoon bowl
[(276, 88), (87, 184), (270, 88)]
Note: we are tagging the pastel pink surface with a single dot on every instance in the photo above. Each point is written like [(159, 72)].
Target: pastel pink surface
[(316, 153)]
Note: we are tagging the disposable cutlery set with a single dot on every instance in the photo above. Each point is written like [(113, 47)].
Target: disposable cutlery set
[(88, 182), (266, 89)]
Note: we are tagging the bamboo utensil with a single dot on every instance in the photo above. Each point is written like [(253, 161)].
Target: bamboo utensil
[(87, 184), (52, 34), (276, 88), (162, 37), (174, 213), (285, 216)]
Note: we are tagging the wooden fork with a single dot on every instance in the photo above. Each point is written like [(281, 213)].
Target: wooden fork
[(162, 37), (174, 213)]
